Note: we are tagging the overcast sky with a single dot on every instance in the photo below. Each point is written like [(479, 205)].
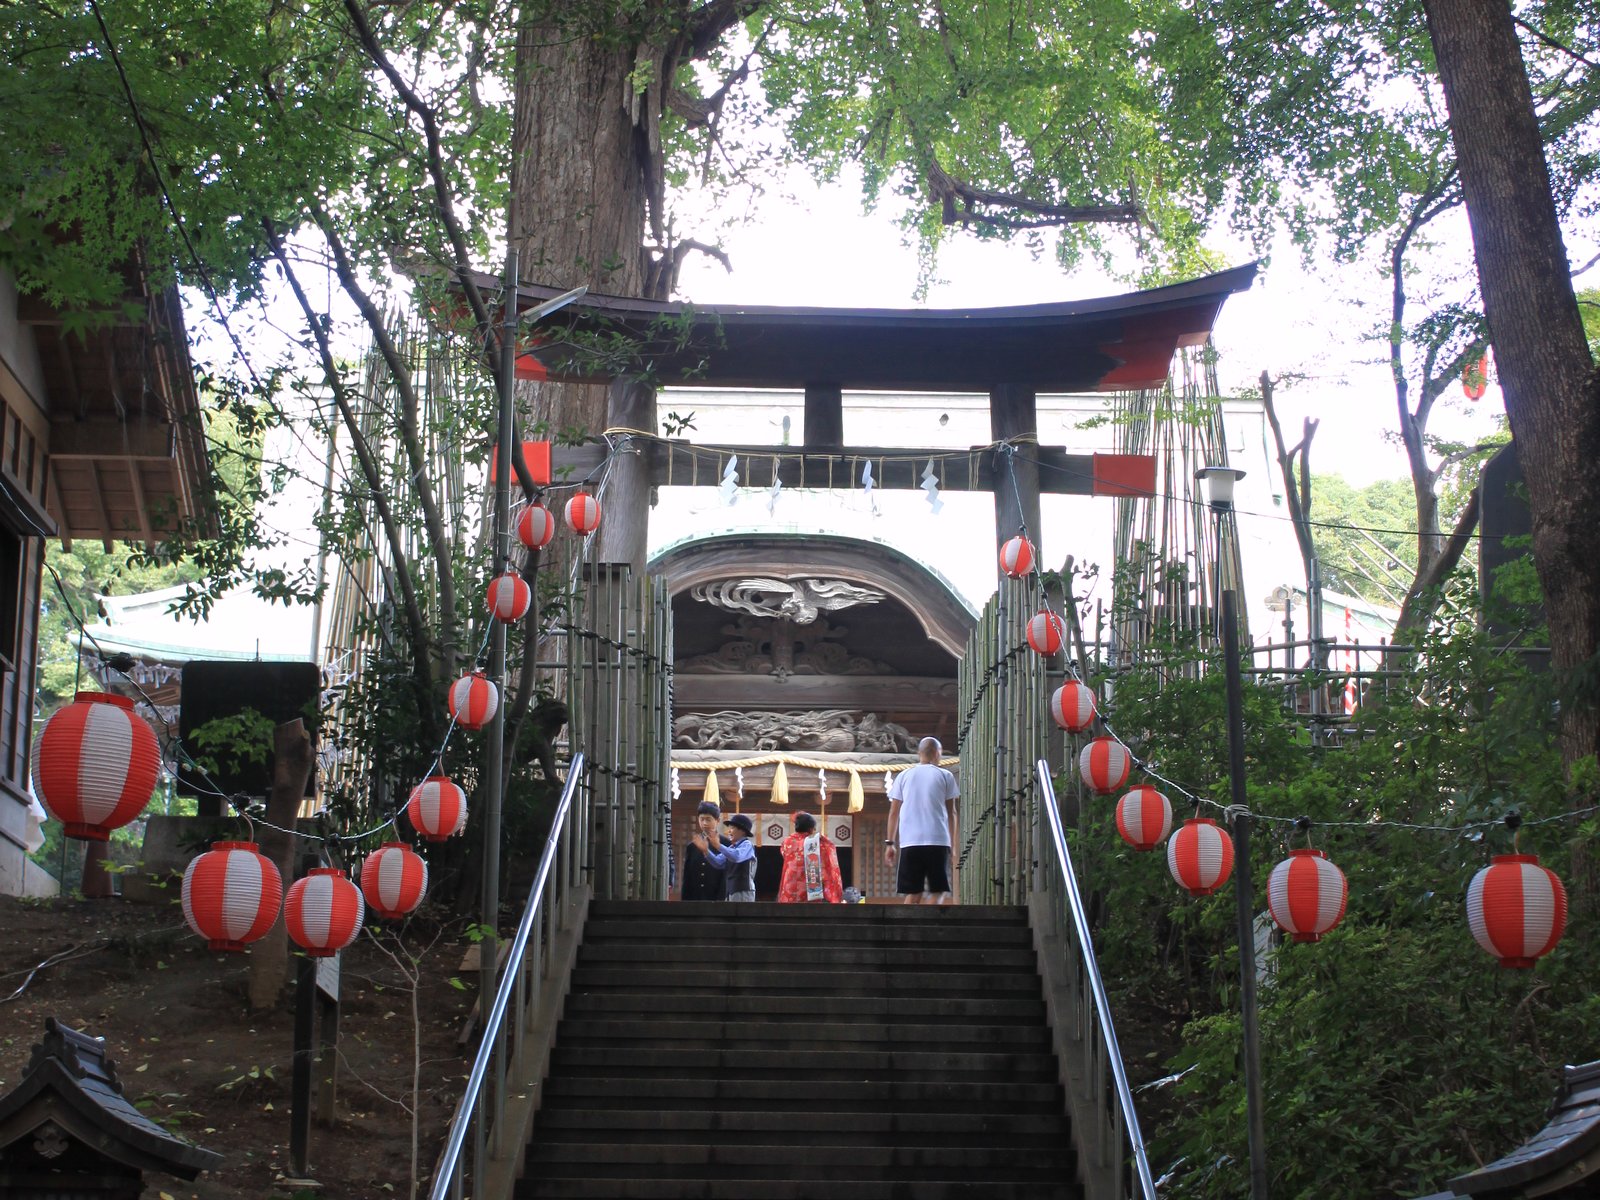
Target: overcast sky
[(1295, 321)]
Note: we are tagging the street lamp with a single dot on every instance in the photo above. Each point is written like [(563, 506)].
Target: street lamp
[(1218, 482)]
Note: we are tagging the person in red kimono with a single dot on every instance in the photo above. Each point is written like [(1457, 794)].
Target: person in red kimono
[(810, 866)]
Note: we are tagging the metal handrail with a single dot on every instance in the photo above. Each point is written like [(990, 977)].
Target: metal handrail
[(1102, 1007), (492, 1050)]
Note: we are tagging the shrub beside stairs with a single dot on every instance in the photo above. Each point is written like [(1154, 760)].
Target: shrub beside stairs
[(783, 1052)]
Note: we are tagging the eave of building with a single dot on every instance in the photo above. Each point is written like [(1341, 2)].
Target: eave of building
[(127, 458), (1102, 344)]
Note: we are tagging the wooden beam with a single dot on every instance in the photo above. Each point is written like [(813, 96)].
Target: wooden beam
[(869, 693), (53, 502), (893, 467), (141, 505), (824, 416), (98, 487), (69, 368), (106, 438)]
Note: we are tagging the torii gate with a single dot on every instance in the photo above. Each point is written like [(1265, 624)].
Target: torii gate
[(1013, 353), (1124, 342)]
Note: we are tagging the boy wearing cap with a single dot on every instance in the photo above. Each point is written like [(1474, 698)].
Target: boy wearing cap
[(737, 859), (701, 880)]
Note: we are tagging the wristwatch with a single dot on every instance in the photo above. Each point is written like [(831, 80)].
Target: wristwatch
[(888, 841)]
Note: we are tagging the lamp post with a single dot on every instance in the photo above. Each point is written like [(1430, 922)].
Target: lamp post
[(1218, 482)]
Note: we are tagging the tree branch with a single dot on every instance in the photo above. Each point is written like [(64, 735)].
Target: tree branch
[(1554, 44), (661, 276), (1422, 599), (705, 26), (399, 567), (410, 435), (946, 191), (446, 206), (1299, 504)]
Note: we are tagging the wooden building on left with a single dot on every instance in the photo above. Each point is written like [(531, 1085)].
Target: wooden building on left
[(100, 439)]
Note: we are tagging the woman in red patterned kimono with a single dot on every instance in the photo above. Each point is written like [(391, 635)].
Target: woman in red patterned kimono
[(810, 866)]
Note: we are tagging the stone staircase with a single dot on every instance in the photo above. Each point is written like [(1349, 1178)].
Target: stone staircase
[(792, 1051)]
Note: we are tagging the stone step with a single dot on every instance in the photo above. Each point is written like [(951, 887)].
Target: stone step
[(861, 914), (701, 931), (837, 957), (800, 1033), (656, 978), (630, 1062), (551, 1187), (896, 1095), (775, 1007), (664, 1125), (800, 1157)]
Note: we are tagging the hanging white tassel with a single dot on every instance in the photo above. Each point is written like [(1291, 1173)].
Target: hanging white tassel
[(730, 481), (738, 782), (677, 786), (867, 484), (772, 495), (930, 485)]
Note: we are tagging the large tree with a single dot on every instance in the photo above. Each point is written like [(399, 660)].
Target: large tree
[(985, 118), (1328, 120), (1546, 370)]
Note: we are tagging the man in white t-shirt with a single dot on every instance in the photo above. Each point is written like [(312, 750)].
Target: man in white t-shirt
[(923, 824)]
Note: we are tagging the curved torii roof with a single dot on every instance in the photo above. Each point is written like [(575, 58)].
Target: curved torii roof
[(1102, 344)]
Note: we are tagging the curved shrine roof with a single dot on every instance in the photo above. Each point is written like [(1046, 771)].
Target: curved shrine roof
[(1101, 344)]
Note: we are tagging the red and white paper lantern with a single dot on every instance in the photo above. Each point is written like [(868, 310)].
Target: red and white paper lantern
[(510, 597), (535, 527), (437, 808), (1306, 894), (323, 912), (1144, 818), (473, 700), (394, 879), (1046, 632), (1200, 856), (583, 514), (1016, 557), (95, 765), (1517, 909), (1104, 765), (231, 895), (1072, 706)]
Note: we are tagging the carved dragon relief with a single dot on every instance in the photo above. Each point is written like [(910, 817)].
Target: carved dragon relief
[(772, 646), (831, 730), (801, 599)]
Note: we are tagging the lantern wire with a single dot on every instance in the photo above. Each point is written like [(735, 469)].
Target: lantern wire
[(1470, 829)]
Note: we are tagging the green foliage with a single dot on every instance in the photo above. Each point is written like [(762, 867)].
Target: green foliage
[(227, 745), (1395, 1052), (1350, 520), (938, 106)]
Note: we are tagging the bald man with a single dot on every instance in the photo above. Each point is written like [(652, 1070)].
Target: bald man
[(923, 827)]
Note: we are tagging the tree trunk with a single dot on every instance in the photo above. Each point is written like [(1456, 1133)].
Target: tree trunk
[(1540, 350), (580, 154), (1541, 354), (291, 767)]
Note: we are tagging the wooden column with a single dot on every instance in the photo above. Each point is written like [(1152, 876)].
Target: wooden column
[(824, 425), (1013, 412), (625, 508)]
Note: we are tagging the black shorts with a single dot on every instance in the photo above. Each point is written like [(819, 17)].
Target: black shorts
[(924, 869)]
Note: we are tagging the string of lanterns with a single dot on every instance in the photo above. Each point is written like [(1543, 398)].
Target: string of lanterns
[(96, 764), (1516, 907)]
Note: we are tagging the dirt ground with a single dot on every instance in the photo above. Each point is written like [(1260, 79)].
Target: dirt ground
[(193, 1057)]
